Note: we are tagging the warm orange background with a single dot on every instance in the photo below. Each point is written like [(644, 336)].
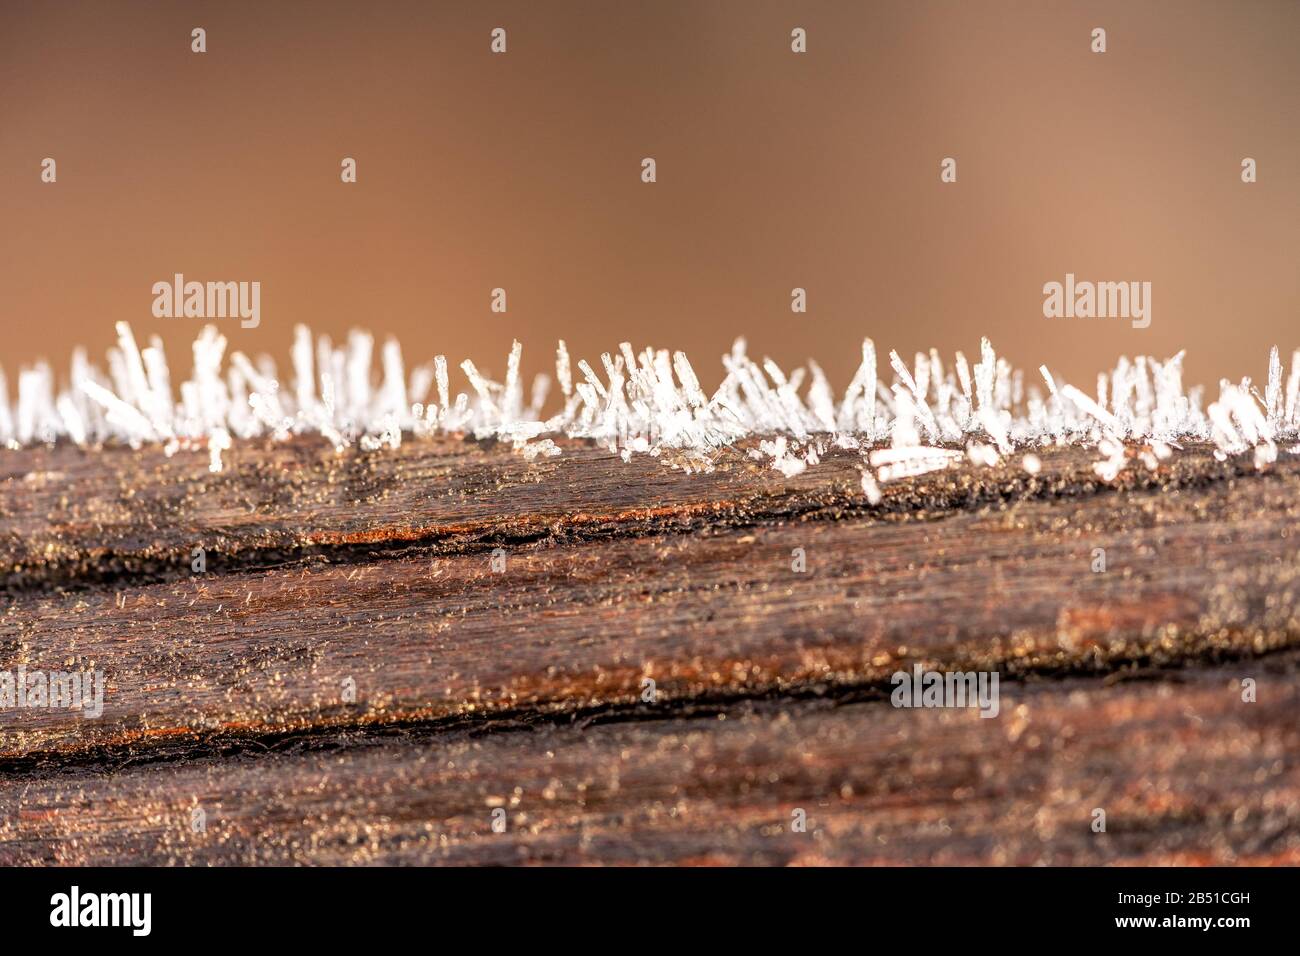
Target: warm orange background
[(775, 170)]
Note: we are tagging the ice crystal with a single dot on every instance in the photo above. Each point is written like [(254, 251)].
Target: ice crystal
[(928, 417)]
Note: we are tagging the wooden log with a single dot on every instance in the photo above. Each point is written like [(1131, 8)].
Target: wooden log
[(581, 625), (377, 570)]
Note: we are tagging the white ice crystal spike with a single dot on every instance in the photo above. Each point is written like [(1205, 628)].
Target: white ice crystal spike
[(1002, 390), (513, 393), (1142, 387), (360, 348), (1047, 377), (963, 375), (1088, 406), (937, 373), (325, 366), (417, 389), (73, 424), (690, 384), (820, 399), (481, 386), (922, 374), (537, 397), (901, 370), (1273, 395), (28, 403), (592, 379), (304, 379), (866, 418), (132, 426), (440, 376), (264, 399), (984, 373), (562, 373), (611, 368), (393, 399), (137, 388), (774, 373)]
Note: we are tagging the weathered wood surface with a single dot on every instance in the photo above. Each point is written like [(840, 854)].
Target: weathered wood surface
[(73, 518), (225, 687), (1185, 771), (579, 625)]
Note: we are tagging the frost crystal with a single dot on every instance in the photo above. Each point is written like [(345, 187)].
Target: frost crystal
[(926, 418)]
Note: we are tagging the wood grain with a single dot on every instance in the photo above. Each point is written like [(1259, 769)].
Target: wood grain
[(1185, 771), (227, 686), (71, 517)]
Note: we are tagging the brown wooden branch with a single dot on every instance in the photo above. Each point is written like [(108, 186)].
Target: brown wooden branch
[(525, 683)]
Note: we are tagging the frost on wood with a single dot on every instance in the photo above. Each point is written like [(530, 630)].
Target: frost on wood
[(927, 417)]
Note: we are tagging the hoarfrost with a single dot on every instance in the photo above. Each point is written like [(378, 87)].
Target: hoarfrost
[(652, 402)]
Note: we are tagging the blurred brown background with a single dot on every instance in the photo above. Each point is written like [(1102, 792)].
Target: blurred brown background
[(775, 170)]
